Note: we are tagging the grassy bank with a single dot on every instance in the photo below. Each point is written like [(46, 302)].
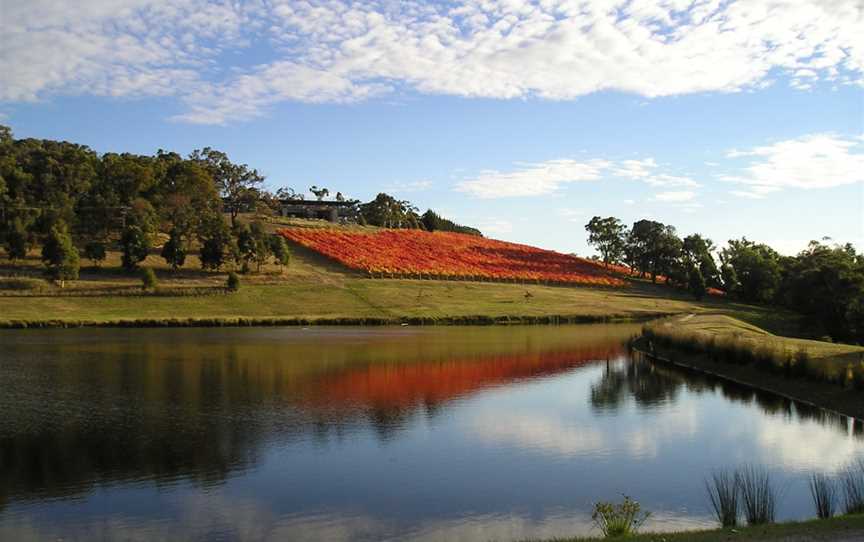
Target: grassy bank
[(840, 529), (825, 374), (313, 290)]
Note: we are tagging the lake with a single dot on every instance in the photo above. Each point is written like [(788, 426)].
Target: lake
[(412, 433)]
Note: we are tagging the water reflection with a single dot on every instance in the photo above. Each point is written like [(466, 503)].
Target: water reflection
[(353, 434)]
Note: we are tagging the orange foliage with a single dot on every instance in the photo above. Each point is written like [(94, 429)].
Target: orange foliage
[(416, 253)]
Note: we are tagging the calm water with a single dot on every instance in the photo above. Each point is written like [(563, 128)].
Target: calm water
[(366, 434)]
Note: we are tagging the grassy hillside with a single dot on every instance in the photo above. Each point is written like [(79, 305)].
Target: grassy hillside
[(312, 287)]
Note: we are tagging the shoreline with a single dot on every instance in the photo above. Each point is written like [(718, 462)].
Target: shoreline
[(243, 321), (827, 397)]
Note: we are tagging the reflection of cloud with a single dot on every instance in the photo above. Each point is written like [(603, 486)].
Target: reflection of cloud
[(549, 433), (244, 519), (804, 445)]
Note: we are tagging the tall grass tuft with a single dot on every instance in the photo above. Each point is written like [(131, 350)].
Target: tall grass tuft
[(852, 484), (824, 493), (723, 492), (758, 494), (619, 520)]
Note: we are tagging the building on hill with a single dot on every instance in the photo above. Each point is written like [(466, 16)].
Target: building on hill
[(333, 211)]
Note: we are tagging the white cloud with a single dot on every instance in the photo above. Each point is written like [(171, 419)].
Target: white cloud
[(495, 226), (340, 51), (409, 186), (532, 179), (646, 171), (675, 196), (809, 162)]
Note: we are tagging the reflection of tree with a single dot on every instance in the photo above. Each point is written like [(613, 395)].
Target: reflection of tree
[(652, 383), (635, 378)]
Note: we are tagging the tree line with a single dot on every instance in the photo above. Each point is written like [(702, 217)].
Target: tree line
[(823, 282)]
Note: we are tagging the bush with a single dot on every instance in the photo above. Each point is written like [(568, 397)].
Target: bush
[(22, 284), (617, 520), (60, 255), (233, 283), (148, 279)]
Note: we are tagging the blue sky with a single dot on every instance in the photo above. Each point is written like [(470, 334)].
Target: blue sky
[(522, 118)]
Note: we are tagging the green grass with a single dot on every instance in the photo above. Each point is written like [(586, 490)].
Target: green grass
[(843, 528)]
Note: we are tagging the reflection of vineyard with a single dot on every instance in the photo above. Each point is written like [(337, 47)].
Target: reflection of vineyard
[(163, 413), (387, 393)]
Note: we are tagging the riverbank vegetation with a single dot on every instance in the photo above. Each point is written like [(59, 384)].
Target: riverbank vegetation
[(731, 341)]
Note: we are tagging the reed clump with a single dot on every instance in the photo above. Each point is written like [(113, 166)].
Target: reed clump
[(758, 495), (723, 489), (852, 486), (823, 490)]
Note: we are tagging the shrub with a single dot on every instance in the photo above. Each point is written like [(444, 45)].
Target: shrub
[(21, 284), (148, 279), (617, 520), (233, 283), (758, 495), (723, 491), (824, 494)]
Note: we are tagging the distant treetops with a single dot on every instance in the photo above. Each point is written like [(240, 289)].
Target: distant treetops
[(823, 282)]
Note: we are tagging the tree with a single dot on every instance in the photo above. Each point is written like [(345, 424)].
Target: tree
[(697, 251), (432, 221), (653, 248), (237, 183), (388, 212), (826, 283), (697, 283), (756, 267), (608, 235), (215, 240), (95, 252), (320, 193), (60, 255), (17, 241), (174, 250), (280, 250), (135, 245), (245, 243)]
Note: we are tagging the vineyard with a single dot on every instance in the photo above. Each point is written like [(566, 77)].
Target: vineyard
[(444, 255)]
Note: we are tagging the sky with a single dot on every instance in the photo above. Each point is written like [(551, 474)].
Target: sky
[(522, 118)]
